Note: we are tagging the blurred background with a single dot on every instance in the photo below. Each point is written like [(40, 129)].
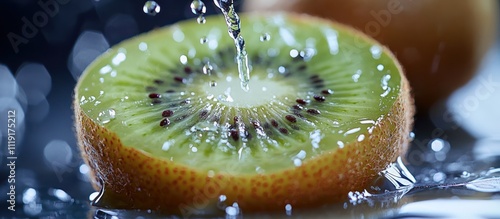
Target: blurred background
[(43, 52)]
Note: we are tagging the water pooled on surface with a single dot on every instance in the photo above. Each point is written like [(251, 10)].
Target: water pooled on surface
[(234, 29), (151, 8), (106, 116)]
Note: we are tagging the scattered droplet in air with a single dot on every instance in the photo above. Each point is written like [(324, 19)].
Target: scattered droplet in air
[(207, 69), (151, 8), (198, 7), (265, 37), (201, 19), (203, 40)]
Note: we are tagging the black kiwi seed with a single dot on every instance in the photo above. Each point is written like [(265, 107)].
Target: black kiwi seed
[(154, 95), (203, 114), (302, 67), (256, 125), (317, 81), (314, 77), (320, 98), (313, 111), (283, 131), (291, 118), (158, 81), (179, 79), (188, 70), (165, 122), (327, 91), (298, 107), (167, 113), (274, 123), (234, 134), (301, 101)]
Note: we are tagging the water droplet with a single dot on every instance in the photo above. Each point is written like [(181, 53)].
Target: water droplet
[(201, 19), (233, 210), (297, 162), (60, 194), (439, 177), (222, 198), (207, 69), (437, 145), (361, 137), (265, 37), (340, 144), (465, 174), (30, 195), (210, 173), (213, 83), (93, 196), (203, 40), (151, 8), (198, 7), (288, 209), (380, 67), (294, 53), (166, 145), (106, 116), (183, 59), (84, 169), (376, 51), (412, 136)]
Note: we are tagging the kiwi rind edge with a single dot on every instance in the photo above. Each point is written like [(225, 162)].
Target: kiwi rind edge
[(149, 183)]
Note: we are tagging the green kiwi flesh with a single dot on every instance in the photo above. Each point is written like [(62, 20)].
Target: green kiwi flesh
[(314, 88)]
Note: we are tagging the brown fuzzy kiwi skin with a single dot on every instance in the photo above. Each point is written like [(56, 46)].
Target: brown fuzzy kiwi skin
[(422, 33), (134, 179)]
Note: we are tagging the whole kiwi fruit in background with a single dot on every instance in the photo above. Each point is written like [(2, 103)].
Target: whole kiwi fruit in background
[(440, 43)]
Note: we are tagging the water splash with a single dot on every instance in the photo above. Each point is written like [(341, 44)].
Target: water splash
[(403, 182), (234, 29)]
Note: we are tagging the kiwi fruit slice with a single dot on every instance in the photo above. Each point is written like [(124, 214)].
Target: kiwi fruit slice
[(163, 123)]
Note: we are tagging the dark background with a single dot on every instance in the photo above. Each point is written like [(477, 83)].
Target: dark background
[(46, 68)]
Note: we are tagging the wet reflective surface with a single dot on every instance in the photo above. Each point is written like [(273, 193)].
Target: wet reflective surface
[(453, 162)]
